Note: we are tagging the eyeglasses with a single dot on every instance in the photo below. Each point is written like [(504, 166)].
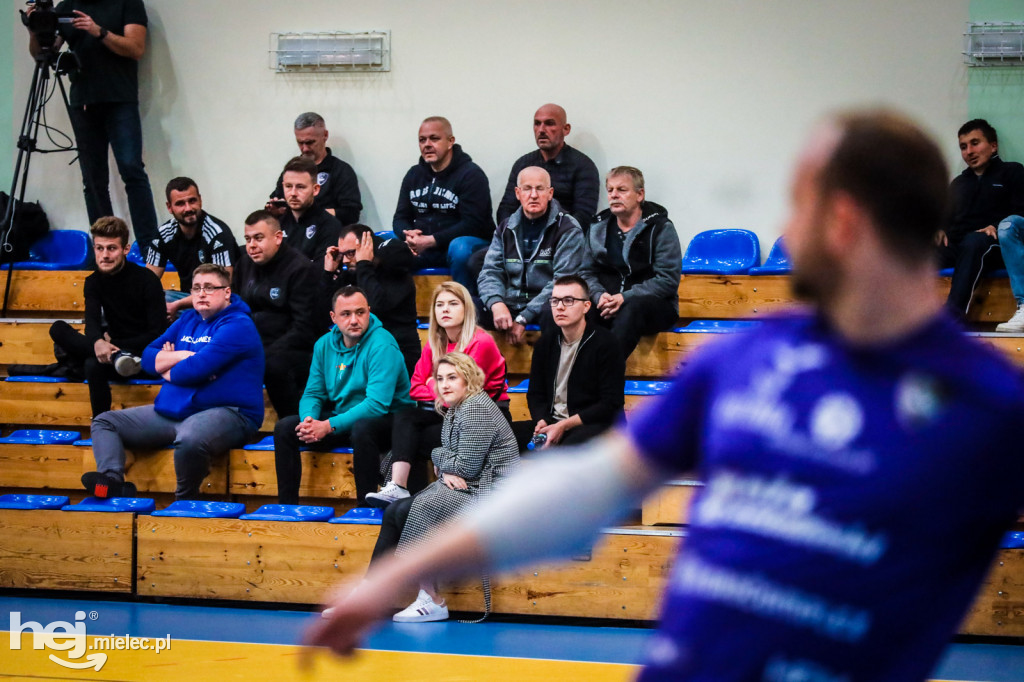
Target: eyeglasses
[(206, 289), (528, 190), (567, 301), (347, 254)]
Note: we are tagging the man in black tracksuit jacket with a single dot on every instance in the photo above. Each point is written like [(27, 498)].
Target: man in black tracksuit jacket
[(444, 206), (382, 268), (279, 285), (592, 378)]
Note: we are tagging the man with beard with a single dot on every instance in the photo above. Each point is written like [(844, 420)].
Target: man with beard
[(830, 440), (339, 188), (190, 238)]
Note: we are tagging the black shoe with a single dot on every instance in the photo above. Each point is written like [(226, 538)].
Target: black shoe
[(103, 486)]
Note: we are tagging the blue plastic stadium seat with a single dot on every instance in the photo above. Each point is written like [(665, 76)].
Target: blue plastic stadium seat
[(522, 387), (32, 379), (948, 272), (716, 326), (721, 252), (57, 250), (647, 387), (289, 512), (1012, 540), (84, 443), (144, 382), (135, 256), (41, 437), (434, 271), (365, 516), (777, 263), (386, 234), (267, 444), (203, 510), (139, 505), (33, 501), (423, 325)]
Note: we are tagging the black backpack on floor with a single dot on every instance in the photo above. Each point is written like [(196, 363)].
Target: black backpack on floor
[(30, 223)]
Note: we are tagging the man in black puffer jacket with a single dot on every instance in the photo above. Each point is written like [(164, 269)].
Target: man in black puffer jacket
[(382, 269), (632, 261), (279, 285)]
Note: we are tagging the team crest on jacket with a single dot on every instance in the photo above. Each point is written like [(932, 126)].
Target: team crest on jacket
[(275, 293), (310, 231), (322, 178)]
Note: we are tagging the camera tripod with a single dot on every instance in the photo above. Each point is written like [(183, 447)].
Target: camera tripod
[(35, 116)]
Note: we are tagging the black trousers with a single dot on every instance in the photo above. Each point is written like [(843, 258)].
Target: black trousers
[(82, 354), (581, 434), (969, 257), (284, 375), (640, 316), (395, 516)]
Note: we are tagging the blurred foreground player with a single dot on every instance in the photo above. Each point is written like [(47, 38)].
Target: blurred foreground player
[(857, 479)]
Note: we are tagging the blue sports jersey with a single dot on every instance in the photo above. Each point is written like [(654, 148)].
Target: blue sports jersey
[(854, 499)]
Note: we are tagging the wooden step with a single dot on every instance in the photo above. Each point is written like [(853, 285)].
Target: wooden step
[(56, 550), (670, 504)]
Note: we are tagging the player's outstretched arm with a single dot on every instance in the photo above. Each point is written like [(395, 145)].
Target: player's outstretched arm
[(503, 531)]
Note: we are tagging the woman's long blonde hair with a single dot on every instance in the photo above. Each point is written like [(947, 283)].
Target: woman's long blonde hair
[(437, 336), (466, 368)]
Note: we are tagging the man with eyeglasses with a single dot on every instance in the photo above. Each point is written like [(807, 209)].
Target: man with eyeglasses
[(577, 373), (530, 248), (211, 360), (632, 259), (382, 268), (279, 285), (190, 238), (573, 175)]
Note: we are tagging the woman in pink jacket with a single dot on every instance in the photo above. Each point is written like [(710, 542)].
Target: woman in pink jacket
[(417, 431)]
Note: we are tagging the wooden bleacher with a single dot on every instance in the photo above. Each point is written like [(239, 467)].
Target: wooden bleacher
[(146, 556)]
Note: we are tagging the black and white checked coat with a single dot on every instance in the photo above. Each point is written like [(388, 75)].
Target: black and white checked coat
[(478, 445)]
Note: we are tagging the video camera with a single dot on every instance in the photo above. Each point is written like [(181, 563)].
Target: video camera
[(43, 21)]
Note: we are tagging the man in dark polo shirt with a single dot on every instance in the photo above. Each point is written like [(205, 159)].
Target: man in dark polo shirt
[(339, 188), (109, 38), (308, 228), (279, 285), (190, 238), (573, 175)]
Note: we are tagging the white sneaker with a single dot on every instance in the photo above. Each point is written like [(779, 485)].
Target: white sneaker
[(328, 612), (423, 610), (392, 492), (127, 365), (1015, 324)]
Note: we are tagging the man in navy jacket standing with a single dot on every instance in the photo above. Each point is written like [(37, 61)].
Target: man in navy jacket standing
[(444, 207), (211, 359)]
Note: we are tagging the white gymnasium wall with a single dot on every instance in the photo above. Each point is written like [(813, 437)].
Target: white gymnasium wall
[(709, 99)]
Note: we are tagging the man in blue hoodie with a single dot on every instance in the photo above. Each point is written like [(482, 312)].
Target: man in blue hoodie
[(356, 380), (211, 359), (444, 206)]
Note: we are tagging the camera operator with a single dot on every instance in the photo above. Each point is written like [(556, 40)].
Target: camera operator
[(109, 38)]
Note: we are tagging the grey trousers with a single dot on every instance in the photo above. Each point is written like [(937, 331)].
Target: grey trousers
[(195, 440)]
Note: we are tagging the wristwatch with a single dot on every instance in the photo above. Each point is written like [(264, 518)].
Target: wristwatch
[(520, 320), (103, 33)]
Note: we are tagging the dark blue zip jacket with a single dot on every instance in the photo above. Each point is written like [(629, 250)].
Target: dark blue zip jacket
[(226, 370)]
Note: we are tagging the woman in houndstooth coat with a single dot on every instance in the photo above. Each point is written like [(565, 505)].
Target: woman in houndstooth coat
[(478, 449)]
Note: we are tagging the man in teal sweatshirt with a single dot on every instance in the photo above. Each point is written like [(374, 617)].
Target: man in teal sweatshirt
[(357, 375)]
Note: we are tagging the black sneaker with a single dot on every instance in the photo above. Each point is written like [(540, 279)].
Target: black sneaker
[(103, 486), (126, 364)]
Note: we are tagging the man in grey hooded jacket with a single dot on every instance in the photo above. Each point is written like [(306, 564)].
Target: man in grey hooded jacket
[(530, 249), (632, 261)]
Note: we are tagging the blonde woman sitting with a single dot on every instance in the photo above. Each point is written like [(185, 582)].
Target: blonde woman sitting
[(478, 449)]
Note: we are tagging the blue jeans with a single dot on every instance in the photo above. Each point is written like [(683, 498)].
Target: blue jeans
[(117, 126), (1011, 240), (196, 440), (459, 251)]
